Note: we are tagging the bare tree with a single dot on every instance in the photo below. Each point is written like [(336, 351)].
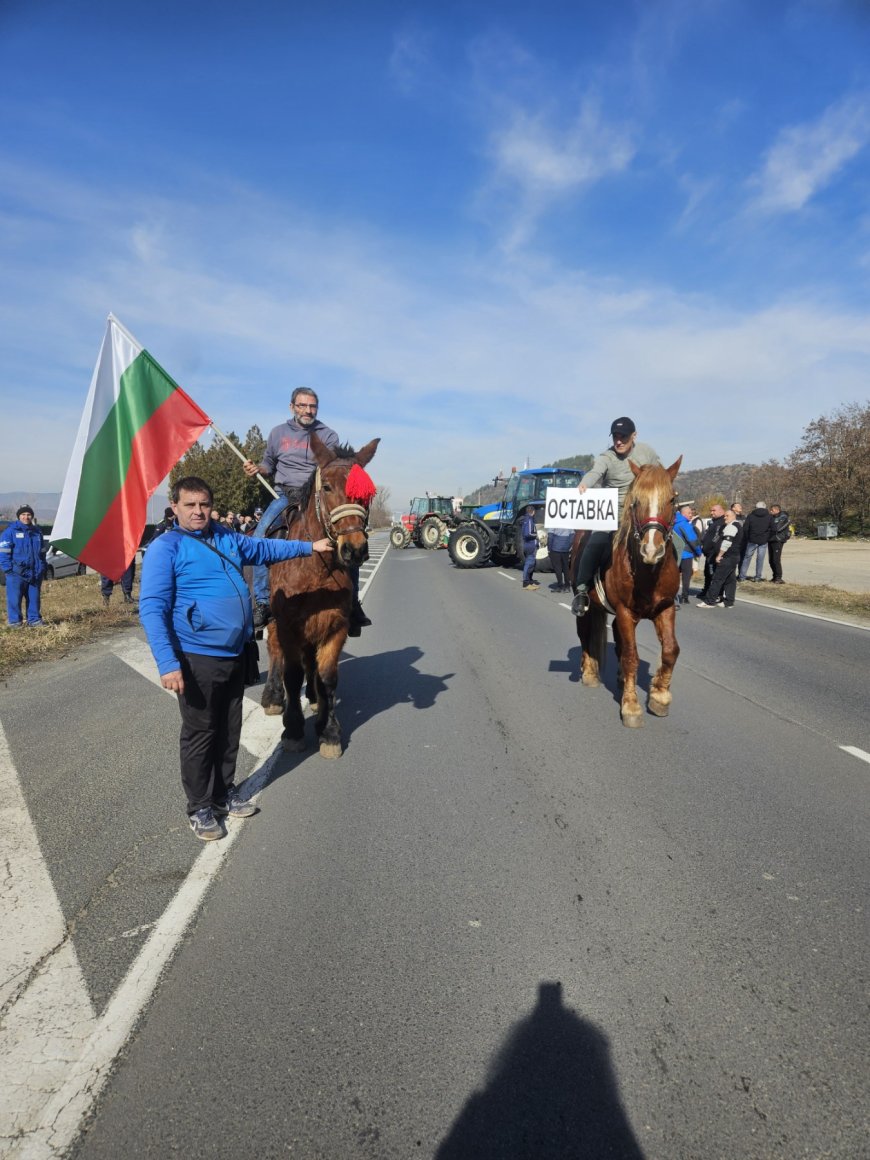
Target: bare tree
[(379, 513)]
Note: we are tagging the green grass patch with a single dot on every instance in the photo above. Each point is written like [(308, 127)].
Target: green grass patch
[(821, 596)]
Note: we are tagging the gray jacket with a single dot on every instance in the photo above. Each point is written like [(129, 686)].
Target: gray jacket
[(612, 470), (288, 451)]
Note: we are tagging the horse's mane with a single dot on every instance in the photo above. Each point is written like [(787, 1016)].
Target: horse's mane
[(652, 478), (342, 451)]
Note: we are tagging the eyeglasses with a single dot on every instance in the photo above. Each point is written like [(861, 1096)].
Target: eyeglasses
[(305, 406)]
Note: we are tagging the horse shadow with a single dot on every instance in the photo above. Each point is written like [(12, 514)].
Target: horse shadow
[(551, 1094), (370, 685)]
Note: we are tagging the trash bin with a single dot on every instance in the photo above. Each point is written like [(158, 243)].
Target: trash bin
[(827, 532)]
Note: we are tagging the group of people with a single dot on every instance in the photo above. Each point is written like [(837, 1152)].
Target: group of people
[(197, 613), (731, 541), (241, 521)]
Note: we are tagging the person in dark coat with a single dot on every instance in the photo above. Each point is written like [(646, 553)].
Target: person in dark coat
[(710, 544), (780, 533), (559, 541), (759, 525)]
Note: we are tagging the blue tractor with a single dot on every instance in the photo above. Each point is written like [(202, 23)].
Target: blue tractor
[(492, 532)]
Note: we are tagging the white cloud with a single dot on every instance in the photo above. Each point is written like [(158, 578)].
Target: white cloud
[(463, 366), (807, 158)]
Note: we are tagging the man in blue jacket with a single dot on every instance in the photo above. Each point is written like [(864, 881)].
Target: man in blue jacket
[(22, 558), (195, 608)]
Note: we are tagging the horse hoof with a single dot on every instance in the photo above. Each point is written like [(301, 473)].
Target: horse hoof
[(658, 708), (590, 682), (632, 720), (273, 710), (330, 749), (293, 744)]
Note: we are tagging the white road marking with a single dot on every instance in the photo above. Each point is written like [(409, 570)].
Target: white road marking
[(508, 576), (855, 752), (55, 1054), (808, 615), (45, 1010)]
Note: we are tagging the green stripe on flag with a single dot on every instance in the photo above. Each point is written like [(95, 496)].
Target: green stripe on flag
[(145, 386)]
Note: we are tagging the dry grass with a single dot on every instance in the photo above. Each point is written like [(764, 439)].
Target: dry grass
[(822, 596), (73, 611)]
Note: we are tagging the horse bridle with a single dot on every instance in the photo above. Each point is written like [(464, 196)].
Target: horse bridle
[(656, 523), (337, 513)]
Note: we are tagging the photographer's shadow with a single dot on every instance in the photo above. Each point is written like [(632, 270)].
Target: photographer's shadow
[(551, 1095)]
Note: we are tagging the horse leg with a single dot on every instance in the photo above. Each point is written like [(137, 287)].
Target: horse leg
[(293, 737), (272, 699), (617, 648), (630, 709), (588, 656), (326, 723), (660, 690)]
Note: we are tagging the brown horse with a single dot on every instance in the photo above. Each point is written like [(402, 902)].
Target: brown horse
[(311, 597), (640, 583)]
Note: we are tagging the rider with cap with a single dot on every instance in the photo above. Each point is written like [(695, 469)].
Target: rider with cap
[(610, 469)]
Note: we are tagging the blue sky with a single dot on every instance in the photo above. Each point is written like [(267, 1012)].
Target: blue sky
[(480, 231)]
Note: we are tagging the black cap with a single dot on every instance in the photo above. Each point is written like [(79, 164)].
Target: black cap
[(25, 507), (623, 426)]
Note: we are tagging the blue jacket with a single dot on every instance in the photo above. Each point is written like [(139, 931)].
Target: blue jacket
[(192, 601), (21, 550), (560, 539), (683, 528), (530, 535)]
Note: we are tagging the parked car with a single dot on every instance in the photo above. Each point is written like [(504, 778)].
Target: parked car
[(59, 564)]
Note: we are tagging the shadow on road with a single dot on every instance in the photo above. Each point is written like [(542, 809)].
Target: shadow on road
[(371, 685), (551, 1095)]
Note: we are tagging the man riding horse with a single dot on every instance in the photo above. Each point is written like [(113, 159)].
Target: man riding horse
[(610, 469), (288, 454)]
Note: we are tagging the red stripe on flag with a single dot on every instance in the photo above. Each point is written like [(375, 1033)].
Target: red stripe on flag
[(172, 429)]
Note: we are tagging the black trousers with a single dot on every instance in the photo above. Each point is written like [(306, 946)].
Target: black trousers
[(211, 725), (774, 555), (724, 581), (686, 575), (559, 560)]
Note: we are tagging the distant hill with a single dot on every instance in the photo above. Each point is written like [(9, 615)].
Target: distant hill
[(46, 503), (729, 481)]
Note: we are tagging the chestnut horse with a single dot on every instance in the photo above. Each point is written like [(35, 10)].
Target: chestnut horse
[(640, 583), (311, 596)]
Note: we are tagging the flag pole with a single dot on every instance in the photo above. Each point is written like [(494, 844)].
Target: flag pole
[(243, 458)]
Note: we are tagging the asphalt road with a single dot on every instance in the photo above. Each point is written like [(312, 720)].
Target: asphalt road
[(502, 925)]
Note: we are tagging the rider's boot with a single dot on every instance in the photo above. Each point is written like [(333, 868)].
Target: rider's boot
[(580, 603), (358, 616), (262, 615)]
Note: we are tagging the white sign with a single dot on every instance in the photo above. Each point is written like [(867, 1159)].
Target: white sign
[(597, 508)]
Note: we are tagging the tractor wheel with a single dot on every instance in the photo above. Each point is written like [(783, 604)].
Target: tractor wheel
[(397, 537), (469, 548), (430, 534)]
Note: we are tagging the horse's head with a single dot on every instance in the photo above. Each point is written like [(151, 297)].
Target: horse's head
[(650, 507), (343, 516)]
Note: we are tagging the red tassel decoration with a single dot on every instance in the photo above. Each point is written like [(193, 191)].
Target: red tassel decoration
[(360, 486)]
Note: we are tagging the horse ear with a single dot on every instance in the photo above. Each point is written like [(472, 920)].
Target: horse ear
[(674, 469), (367, 453), (322, 454), (635, 470)]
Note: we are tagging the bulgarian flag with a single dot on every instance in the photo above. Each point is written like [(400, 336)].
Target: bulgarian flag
[(137, 425)]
